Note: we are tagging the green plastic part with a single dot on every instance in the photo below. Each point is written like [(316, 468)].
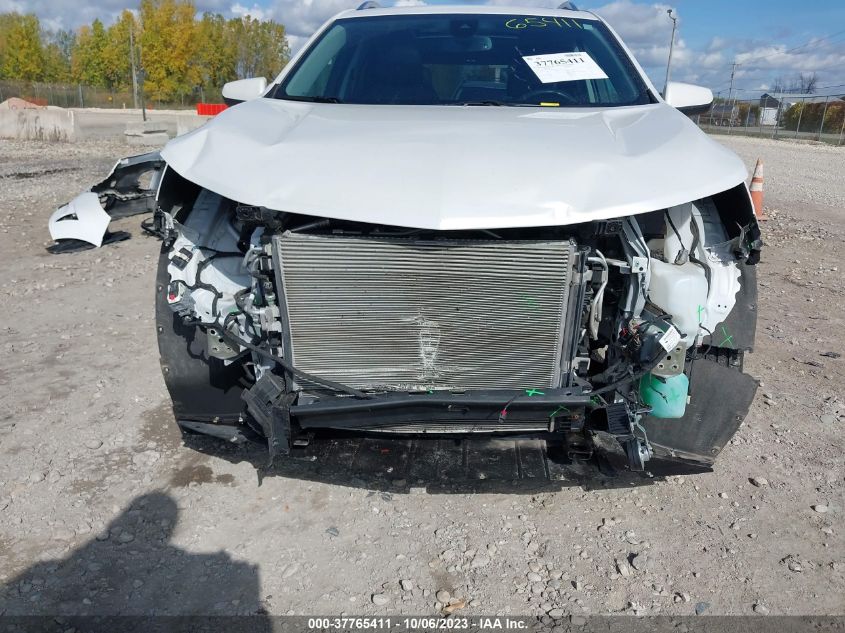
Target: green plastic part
[(667, 397)]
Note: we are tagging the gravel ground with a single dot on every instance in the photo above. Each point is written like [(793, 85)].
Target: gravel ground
[(104, 511)]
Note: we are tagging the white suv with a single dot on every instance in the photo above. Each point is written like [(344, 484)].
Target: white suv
[(457, 221)]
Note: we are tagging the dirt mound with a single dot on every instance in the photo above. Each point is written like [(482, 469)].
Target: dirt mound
[(16, 103)]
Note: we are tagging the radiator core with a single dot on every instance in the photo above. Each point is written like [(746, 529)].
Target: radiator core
[(392, 314)]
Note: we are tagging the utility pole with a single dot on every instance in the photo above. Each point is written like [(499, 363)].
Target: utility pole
[(731, 89), (132, 61), (143, 103), (821, 127), (730, 104), (671, 47)]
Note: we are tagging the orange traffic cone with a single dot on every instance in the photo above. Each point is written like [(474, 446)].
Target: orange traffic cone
[(757, 190)]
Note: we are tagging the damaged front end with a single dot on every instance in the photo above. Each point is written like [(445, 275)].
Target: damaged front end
[(277, 326)]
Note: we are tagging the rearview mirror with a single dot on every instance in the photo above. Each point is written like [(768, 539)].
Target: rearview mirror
[(235, 92), (446, 44), (688, 98)]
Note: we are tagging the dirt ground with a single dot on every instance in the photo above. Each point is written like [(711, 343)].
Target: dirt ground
[(104, 511)]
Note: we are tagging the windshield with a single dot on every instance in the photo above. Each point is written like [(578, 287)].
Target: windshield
[(466, 59)]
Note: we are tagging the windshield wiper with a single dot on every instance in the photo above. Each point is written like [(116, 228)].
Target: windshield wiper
[(314, 99), (485, 102)]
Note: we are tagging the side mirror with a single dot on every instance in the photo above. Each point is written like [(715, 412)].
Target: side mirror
[(688, 98), (235, 92)]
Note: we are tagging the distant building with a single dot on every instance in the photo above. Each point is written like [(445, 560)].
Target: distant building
[(768, 101), (774, 105), (769, 107)]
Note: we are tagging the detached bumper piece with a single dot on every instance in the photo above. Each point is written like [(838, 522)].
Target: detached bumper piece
[(128, 190)]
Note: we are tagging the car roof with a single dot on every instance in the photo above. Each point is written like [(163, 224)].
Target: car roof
[(463, 10)]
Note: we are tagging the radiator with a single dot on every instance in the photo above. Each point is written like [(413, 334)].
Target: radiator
[(391, 314)]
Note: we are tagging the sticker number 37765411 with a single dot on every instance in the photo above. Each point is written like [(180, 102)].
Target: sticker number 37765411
[(564, 67)]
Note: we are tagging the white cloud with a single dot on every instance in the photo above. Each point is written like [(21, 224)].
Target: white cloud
[(646, 29), (302, 17), (717, 43), (776, 57), (638, 24), (10, 6), (255, 12), (51, 24), (760, 64), (71, 14)]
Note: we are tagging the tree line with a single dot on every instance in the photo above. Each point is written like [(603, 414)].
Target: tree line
[(171, 49)]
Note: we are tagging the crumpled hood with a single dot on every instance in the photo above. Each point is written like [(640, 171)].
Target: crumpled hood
[(454, 167)]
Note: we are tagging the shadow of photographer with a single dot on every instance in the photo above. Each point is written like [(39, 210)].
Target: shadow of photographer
[(131, 571)]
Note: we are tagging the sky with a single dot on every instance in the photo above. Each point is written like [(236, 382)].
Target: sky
[(767, 38)]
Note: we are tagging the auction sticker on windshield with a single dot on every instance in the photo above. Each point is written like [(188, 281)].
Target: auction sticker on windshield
[(564, 67)]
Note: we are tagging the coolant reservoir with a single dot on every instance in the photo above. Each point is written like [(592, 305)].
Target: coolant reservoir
[(681, 290), (667, 397)]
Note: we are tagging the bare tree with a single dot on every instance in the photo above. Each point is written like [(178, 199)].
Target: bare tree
[(803, 84), (808, 83)]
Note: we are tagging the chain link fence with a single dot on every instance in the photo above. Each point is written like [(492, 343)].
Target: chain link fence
[(808, 117), (82, 96)]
